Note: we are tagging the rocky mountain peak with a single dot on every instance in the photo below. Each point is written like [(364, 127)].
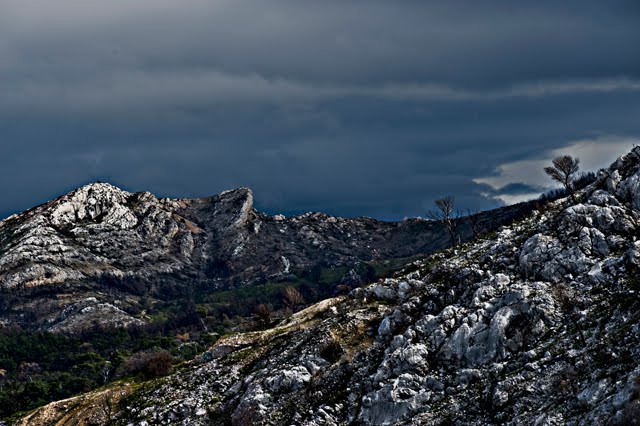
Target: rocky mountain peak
[(93, 202), (236, 203)]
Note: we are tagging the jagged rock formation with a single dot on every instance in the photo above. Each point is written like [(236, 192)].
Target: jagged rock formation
[(537, 325), (89, 255)]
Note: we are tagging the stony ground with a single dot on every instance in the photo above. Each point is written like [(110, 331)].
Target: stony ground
[(536, 324)]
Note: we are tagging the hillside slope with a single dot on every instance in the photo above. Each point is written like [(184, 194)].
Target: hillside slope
[(537, 324)]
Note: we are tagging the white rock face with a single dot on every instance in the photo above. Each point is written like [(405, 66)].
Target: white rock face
[(247, 206), (287, 265), (85, 233), (289, 380), (75, 317), (536, 254), (92, 201), (97, 233)]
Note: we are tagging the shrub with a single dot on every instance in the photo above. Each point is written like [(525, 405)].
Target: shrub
[(263, 312), (292, 297), (151, 363), (332, 351)]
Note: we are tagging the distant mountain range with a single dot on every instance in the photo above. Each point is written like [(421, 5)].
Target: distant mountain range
[(90, 257)]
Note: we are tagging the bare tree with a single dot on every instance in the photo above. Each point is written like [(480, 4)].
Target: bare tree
[(292, 297), (473, 216), (563, 171), (445, 215)]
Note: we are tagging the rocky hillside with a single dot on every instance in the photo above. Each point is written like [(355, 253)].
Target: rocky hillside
[(537, 324), (89, 256)]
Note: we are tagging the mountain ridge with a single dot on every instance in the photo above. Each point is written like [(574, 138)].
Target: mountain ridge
[(100, 238)]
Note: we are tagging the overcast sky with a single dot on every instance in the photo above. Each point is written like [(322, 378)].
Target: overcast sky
[(349, 107)]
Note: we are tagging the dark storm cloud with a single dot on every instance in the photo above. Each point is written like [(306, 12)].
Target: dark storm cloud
[(519, 188), (354, 108)]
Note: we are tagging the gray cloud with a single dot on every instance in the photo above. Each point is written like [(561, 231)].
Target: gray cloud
[(519, 188), (356, 108), (137, 89), (594, 154)]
